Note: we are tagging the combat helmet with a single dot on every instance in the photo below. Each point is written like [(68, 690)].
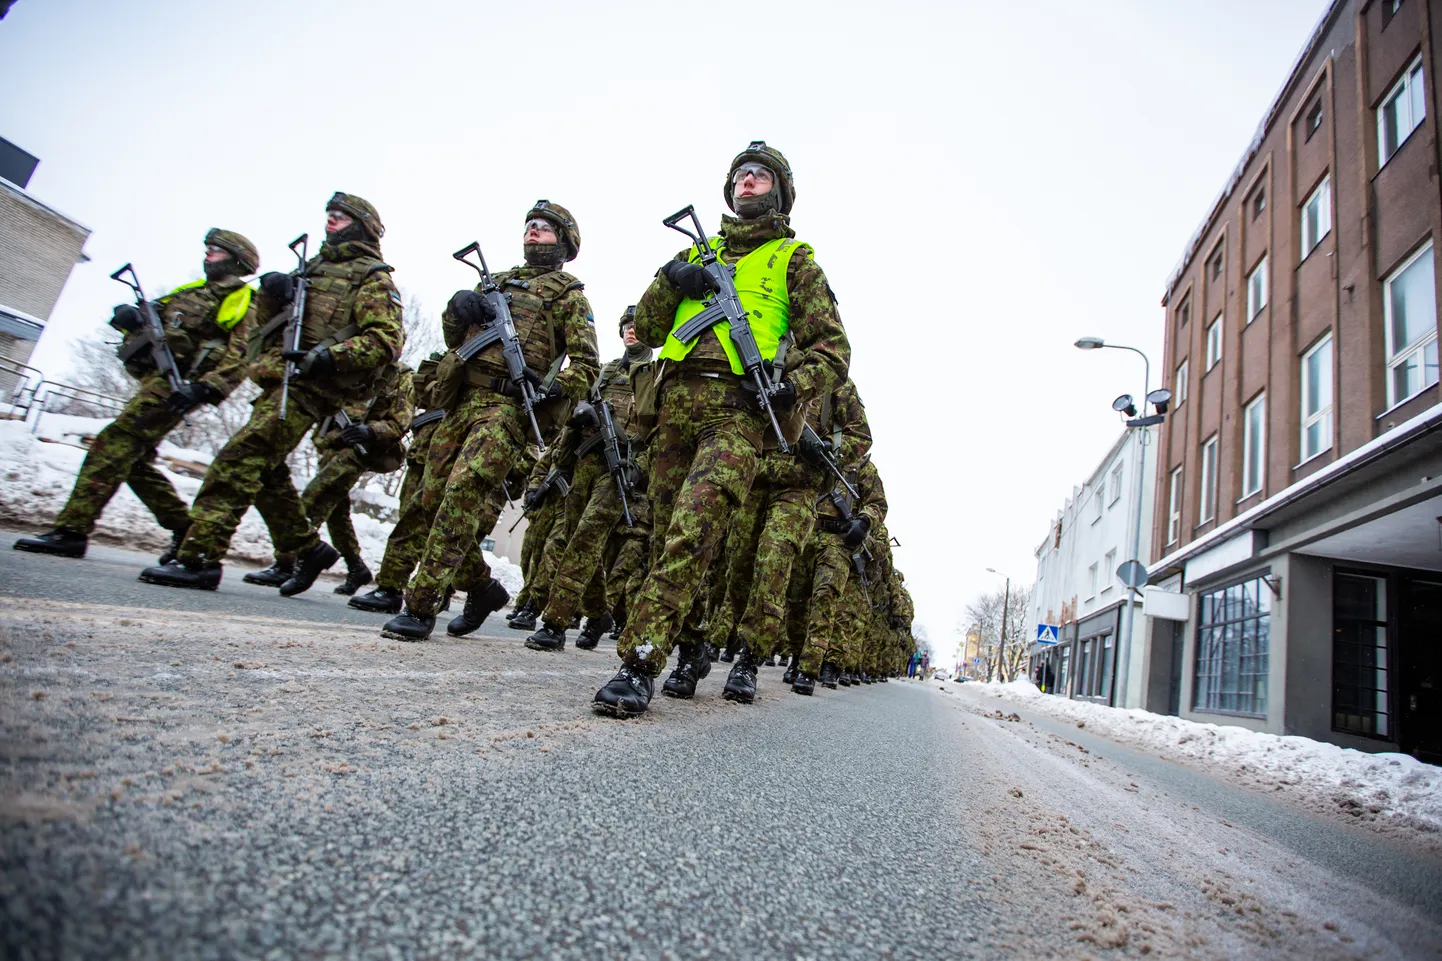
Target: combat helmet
[(782, 195), (241, 250), (554, 255), (628, 319), (367, 218)]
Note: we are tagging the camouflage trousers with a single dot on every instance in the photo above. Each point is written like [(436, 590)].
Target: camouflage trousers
[(766, 540), (592, 510), (408, 539), (627, 563), (246, 472), (703, 460), (326, 499), (124, 453), (533, 544), (822, 600), (469, 456)]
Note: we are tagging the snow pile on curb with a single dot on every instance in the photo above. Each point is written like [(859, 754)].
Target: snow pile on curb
[(36, 478), (1387, 788)]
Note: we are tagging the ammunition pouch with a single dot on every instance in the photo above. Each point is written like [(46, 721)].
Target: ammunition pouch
[(832, 525), (391, 458)]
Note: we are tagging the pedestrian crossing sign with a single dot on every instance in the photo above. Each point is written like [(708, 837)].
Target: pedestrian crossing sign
[(1047, 634)]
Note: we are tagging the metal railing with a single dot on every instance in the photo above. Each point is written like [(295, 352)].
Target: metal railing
[(68, 399), (18, 383)]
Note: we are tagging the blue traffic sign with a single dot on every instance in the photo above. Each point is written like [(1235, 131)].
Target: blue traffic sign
[(1047, 634)]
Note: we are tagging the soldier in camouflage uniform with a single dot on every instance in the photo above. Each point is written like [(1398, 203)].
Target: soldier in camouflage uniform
[(593, 507), (543, 502), (485, 435), (710, 431), (351, 330), (206, 323)]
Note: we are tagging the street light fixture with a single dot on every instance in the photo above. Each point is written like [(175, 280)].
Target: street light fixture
[(1090, 343)]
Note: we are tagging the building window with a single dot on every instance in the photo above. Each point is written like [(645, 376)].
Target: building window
[(1317, 217), (1259, 202), (1116, 485), (1091, 582), (1099, 497), (1254, 445), (1314, 119), (1257, 291), (1214, 342), (1389, 10), (1359, 655), (1104, 688), (1217, 263), (1207, 502), (1109, 567), (1233, 631), (1179, 385), (1317, 399), (1402, 111), (1174, 508), (1184, 313), (1409, 303)]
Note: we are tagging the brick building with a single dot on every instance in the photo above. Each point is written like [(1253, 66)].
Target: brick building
[(1298, 498), (38, 247)]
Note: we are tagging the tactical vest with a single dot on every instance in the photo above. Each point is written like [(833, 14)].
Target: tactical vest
[(330, 297), (197, 322), (760, 279), (616, 391), (531, 303)]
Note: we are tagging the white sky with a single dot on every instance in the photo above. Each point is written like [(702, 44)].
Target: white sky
[(982, 182)]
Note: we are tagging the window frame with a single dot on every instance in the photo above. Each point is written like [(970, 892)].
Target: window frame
[(1324, 216), (1179, 384), (1174, 508), (1312, 125), (1207, 492), (1219, 640), (1114, 484), (1214, 358), (1109, 565), (1254, 445), (1092, 582), (1341, 646), (1396, 359), (1256, 301), (1259, 202), (1402, 93), (1323, 411)]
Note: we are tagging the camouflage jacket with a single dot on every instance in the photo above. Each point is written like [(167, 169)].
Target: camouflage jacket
[(388, 413), (901, 605), (872, 504), (206, 348), (820, 355), (350, 289), (840, 419)]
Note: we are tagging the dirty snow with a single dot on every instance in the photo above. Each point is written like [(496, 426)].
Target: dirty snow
[(1395, 789)]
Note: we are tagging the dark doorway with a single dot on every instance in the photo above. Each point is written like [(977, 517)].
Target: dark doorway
[(1419, 663), (1174, 690)]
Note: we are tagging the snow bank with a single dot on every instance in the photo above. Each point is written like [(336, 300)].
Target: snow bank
[(36, 478), (1394, 788)]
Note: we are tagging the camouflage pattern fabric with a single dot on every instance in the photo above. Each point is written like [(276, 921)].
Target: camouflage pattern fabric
[(592, 511), (279, 505), (326, 499), (124, 453), (736, 571), (408, 539), (204, 351)]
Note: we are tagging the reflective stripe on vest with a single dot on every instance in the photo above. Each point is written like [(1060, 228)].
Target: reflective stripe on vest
[(232, 308), (761, 283)]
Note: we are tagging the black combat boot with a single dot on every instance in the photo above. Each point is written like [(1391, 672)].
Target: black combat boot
[(617, 628), (591, 633), (274, 575), (575, 621), (406, 626), (308, 567), (60, 542), (864, 678), (692, 665), (175, 538), (480, 605), (804, 684), (625, 695), (829, 675), (728, 655), (382, 600), (525, 620), (741, 685), (357, 575), (520, 609), (178, 574), (551, 637), (846, 679), (790, 676)]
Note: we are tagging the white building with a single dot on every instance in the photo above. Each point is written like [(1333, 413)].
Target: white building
[(1077, 589)]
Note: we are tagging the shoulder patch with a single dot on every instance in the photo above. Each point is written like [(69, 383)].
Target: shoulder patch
[(396, 297), (591, 319)]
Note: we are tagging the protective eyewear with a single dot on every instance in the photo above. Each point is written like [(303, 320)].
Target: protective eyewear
[(539, 226), (761, 174), (212, 249)]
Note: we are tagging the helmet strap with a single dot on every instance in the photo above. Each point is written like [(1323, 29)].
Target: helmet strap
[(545, 255)]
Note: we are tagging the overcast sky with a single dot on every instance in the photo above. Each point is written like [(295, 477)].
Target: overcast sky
[(982, 183)]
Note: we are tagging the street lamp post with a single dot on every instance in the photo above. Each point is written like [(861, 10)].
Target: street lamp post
[(1001, 644), (1123, 404)]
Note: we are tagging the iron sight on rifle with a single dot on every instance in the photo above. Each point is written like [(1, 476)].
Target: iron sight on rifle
[(502, 328), (151, 334), (726, 306)]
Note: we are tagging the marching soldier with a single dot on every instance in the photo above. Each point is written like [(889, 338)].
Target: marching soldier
[(206, 323), (351, 330)]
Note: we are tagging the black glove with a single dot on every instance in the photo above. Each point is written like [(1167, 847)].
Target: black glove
[(584, 416), (278, 287), (782, 399), (813, 448), (898, 623), (358, 435), (470, 307), (691, 279), (126, 318), (531, 499), (856, 532), (320, 366), (189, 396)]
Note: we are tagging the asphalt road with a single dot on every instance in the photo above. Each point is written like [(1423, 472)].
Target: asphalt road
[(273, 780)]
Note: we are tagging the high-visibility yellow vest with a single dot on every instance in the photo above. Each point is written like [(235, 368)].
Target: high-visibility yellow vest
[(761, 285), (232, 308)]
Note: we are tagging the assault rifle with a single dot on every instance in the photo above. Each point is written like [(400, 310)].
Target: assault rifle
[(429, 417), (808, 434), (343, 420), (863, 553), (502, 328), (726, 305), (554, 478), (290, 338), (611, 448), (152, 334)]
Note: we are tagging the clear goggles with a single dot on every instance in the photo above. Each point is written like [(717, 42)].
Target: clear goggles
[(539, 226), (759, 172)]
